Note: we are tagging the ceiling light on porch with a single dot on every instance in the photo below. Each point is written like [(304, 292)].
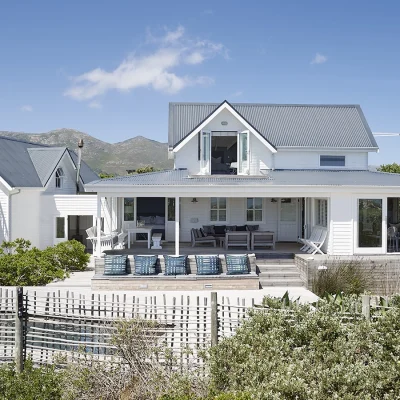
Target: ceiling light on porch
[(194, 200)]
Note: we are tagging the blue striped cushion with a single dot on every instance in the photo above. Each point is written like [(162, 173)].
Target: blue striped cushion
[(175, 265), (236, 264), (145, 265), (115, 265), (207, 265)]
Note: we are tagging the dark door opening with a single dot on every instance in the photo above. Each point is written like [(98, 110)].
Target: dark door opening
[(224, 155), (151, 211)]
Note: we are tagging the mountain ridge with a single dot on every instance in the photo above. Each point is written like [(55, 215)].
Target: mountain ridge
[(101, 156)]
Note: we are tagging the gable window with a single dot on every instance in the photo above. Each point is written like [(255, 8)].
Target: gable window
[(218, 209), (254, 209), (321, 212), (59, 178), (332, 161)]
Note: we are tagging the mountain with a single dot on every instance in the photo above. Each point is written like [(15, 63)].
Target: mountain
[(113, 158)]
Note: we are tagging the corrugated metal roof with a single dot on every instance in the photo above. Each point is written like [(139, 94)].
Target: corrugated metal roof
[(45, 160), (283, 125), (16, 166), (25, 164), (272, 178)]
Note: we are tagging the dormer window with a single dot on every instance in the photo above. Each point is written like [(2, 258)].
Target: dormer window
[(332, 161), (59, 178)]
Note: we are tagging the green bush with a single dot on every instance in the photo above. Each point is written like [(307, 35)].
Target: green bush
[(21, 265), (41, 383), (305, 353), (146, 169), (350, 277)]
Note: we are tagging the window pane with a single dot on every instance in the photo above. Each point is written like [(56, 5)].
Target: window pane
[(222, 215), (258, 215), (171, 209), (222, 202), (369, 223), (250, 215), (214, 215), (258, 203), (60, 227), (332, 161), (129, 209), (214, 203), (249, 202)]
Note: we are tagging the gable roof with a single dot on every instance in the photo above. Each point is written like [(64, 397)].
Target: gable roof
[(26, 164), (283, 125)]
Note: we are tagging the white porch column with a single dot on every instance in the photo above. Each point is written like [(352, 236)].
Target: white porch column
[(177, 226), (98, 224)]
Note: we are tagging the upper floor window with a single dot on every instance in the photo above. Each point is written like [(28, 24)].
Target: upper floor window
[(218, 209), (59, 178), (332, 161), (254, 210)]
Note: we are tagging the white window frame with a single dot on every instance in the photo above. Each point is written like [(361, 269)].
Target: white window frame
[(321, 212), (61, 239), (205, 152), (134, 209), (243, 165), (59, 178), (254, 209), (333, 156), (218, 209)]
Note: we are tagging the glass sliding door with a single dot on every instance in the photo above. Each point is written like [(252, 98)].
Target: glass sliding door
[(393, 225), (243, 153), (205, 150), (370, 233)]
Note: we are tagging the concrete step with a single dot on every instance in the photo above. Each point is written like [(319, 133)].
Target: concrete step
[(286, 282), (279, 274), (274, 261)]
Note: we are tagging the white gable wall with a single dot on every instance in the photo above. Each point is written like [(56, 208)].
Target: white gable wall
[(4, 216), (69, 186)]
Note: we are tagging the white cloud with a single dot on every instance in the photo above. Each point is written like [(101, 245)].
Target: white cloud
[(236, 94), (27, 108), (319, 59), (157, 69), (95, 104)]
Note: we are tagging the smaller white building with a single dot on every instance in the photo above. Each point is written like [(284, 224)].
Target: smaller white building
[(41, 198)]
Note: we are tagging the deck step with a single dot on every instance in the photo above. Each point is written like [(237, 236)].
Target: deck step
[(286, 282), (279, 274)]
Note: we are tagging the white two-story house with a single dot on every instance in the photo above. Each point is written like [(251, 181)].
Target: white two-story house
[(285, 168), (41, 194)]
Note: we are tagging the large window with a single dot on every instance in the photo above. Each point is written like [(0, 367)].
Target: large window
[(59, 178), (321, 212), (369, 223), (218, 209), (129, 209), (332, 161), (60, 227), (254, 209)]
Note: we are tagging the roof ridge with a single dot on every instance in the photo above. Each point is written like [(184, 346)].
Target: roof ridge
[(23, 141), (267, 104)]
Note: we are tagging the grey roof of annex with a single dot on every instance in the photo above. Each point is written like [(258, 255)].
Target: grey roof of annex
[(271, 178), (283, 125), (25, 164)]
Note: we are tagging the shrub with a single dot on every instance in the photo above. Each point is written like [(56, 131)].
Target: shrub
[(305, 353), (41, 383), (145, 169), (21, 265), (349, 277)]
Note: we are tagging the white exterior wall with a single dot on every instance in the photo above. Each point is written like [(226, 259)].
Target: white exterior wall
[(303, 159), (187, 157), (4, 216), (69, 180)]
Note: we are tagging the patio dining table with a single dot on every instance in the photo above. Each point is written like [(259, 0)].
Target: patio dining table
[(140, 229)]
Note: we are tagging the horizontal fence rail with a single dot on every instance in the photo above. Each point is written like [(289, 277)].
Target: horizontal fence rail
[(45, 326)]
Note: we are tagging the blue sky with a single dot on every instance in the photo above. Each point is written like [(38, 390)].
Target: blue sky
[(109, 68)]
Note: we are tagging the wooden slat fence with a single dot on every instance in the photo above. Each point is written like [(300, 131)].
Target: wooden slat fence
[(7, 324)]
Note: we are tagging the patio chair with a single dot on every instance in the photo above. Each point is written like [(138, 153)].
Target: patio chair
[(314, 246), (237, 239), (106, 241), (262, 239), (196, 238), (315, 236)]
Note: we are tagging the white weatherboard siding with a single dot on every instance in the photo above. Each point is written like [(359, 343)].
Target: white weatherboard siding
[(69, 180), (341, 220), (260, 156), (303, 159), (4, 216), (187, 157)]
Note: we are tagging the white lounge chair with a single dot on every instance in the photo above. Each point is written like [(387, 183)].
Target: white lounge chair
[(314, 246), (315, 236), (106, 241)]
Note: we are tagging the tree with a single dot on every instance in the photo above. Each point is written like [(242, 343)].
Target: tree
[(393, 168), (21, 265)]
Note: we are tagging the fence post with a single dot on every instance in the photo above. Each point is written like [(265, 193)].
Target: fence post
[(366, 311), (19, 330), (214, 319)]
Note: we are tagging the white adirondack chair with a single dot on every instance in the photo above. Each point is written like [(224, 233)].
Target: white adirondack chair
[(315, 236), (315, 245), (106, 241)]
